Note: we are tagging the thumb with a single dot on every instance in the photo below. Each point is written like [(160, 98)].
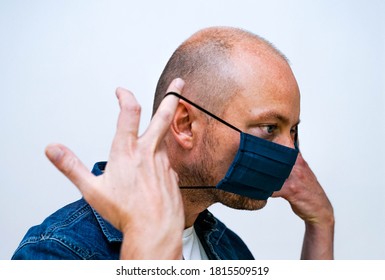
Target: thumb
[(70, 165)]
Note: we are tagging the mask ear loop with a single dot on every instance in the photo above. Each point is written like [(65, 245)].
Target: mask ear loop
[(211, 115), (203, 110)]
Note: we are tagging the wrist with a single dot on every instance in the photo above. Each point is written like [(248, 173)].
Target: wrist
[(143, 246), (319, 239), (322, 222)]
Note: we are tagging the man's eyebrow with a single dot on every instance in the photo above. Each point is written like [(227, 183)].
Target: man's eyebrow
[(268, 115)]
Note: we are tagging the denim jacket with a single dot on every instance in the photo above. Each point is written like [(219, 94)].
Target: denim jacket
[(77, 231)]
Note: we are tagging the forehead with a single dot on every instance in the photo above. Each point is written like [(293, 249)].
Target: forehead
[(268, 89)]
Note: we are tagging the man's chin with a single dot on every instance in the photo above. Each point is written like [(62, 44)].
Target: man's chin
[(236, 201)]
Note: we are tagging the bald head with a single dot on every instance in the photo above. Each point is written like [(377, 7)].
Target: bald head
[(206, 62)]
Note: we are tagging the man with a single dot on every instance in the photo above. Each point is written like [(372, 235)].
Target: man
[(227, 133)]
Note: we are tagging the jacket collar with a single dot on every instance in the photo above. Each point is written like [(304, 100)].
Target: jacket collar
[(109, 231)]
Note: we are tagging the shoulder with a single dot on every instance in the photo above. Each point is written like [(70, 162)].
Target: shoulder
[(75, 231)]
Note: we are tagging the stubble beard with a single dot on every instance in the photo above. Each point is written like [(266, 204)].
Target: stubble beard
[(200, 173)]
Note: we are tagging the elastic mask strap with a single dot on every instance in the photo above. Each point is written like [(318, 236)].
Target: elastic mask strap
[(203, 110), (211, 115), (197, 187)]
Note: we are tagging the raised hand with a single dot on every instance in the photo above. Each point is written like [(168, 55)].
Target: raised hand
[(309, 201), (138, 192)]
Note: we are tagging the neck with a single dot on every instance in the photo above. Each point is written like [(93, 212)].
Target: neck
[(194, 202), (190, 220)]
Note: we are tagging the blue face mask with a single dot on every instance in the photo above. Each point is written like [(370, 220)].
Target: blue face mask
[(259, 168)]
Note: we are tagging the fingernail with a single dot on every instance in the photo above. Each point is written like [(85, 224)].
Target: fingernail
[(53, 152), (179, 84)]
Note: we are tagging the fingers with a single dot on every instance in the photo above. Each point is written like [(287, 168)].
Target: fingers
[(69, 164), (128, 120), (292, 179), (163, 117)]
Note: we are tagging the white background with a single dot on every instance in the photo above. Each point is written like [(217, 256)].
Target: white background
[(60, 62)]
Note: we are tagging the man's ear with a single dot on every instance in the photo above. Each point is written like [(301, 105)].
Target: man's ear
[(181, 126)]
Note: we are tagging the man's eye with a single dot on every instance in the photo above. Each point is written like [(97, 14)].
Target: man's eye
[(265, 131), (294, 133), (269, 129)]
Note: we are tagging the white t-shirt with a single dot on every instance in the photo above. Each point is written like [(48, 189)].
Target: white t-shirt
[(192, 247)]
